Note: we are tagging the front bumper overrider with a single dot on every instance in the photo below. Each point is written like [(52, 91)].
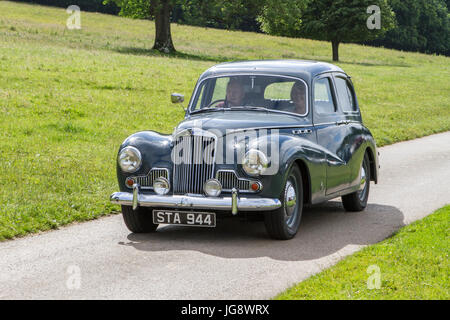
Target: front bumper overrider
[(233, 203)]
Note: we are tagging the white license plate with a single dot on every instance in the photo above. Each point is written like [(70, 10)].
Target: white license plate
[(185, 218)]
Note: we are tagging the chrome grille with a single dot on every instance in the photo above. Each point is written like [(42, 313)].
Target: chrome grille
[(194, 162), (146, 182), (229, 180)]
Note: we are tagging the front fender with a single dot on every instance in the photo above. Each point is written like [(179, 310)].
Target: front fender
[(155, 149), (307, 154)]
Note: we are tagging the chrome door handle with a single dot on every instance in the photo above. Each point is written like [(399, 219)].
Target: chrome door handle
[(302, 131), (342, 122)]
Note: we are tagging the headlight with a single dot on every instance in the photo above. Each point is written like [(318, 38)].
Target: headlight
[(130, 159), (255, 162)]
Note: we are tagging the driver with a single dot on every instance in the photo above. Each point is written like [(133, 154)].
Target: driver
[(235, 93)]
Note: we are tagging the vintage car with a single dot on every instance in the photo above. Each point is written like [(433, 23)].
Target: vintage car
[(259, 139)]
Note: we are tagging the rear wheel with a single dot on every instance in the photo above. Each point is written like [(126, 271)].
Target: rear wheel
[(283, 223), (357, 201), (139, 220)]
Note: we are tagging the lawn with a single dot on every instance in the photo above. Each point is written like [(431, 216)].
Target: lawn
[(68, 98), (412, 264)]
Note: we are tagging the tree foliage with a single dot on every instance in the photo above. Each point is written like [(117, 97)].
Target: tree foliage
[(422, 25), (282, 17), (344, 21)]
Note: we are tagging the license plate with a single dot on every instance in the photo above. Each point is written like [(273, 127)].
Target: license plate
[(183, 218)]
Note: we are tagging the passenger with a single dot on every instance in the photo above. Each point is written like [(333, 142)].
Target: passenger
[(298, 97)]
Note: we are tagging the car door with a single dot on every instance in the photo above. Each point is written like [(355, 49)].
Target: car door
[(332, 133), (349, 105)]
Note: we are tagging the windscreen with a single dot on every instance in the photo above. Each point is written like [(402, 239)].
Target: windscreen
[(246, 91)]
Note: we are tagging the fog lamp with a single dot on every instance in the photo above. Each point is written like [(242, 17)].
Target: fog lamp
[(161, 186), (212, 188)]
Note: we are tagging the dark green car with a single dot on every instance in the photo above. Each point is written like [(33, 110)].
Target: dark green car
[(260, 139)]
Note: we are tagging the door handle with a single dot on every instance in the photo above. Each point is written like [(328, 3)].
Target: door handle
[(342, 122), (301, 131)]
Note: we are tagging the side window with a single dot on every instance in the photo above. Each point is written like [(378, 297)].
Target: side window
[(345, 94), (323, 98)]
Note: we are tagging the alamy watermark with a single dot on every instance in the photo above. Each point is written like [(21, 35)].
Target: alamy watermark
[(374, 20), (374, 280), (74, 21), (73, 281)]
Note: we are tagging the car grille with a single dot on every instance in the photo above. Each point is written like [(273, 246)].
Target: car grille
[(146, 182), (229, 180), (196, 153)]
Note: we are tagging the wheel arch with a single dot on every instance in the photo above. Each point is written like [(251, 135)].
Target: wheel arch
[(306, 180), (372, 165)]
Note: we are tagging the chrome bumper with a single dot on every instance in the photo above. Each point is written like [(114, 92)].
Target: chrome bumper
[(233, 203)]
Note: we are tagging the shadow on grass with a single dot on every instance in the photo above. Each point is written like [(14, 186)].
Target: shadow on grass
[(218, 59), (177, 54), (324, 230)]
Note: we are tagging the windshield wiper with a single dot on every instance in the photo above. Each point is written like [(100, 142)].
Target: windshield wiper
[(250, 108), (211, 109)]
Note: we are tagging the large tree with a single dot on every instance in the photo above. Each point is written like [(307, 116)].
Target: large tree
[(340, 21), (160, 10)]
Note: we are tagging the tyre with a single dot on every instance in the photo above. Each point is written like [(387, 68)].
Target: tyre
[(139, 220), (283, 223), (357, 201)]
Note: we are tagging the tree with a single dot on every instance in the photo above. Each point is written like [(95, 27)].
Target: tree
[(223, 14), (282, 17), (160, 10), (423, 25), (340, 21)]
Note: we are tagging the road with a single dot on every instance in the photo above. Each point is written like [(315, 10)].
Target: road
[(102, 260)]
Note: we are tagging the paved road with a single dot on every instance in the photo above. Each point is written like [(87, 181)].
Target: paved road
[(236, 260)]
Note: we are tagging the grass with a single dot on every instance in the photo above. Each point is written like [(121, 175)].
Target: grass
[(413, 264), (68, 98)]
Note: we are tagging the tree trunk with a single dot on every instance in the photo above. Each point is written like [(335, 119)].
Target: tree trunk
[(163, 36), (335, 46)]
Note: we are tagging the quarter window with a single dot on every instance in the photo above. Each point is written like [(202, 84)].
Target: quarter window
[(345, 95), (323, 98)]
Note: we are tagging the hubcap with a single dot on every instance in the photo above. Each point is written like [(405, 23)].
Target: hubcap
[(363, 179), (363, 183), (290, 198)]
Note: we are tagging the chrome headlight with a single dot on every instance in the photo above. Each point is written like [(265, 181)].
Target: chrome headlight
[(130, 159), (255, 162)]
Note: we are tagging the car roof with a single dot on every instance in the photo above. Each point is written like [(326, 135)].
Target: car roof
[(305, 69)]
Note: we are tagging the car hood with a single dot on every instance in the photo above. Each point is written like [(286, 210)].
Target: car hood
[(229, 120)]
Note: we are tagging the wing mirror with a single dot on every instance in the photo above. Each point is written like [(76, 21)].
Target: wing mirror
[(177, 98)]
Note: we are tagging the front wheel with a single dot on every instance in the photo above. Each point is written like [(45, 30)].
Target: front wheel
[(139, 220), (283, 223), (357, 201)]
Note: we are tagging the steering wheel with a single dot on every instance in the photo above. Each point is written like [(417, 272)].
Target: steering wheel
[(213, 103)]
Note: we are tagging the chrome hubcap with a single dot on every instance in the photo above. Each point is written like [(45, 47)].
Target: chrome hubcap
[(362, 183), (290, 198)]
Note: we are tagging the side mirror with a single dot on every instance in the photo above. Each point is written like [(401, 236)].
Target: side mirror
[(177, 98)]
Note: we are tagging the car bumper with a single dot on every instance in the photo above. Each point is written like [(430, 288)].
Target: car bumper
[(233, 203)]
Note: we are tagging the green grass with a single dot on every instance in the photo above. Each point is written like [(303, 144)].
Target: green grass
[(413, 264), (69, 98)]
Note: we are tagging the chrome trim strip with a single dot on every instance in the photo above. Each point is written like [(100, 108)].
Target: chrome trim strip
[(196, 202)]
